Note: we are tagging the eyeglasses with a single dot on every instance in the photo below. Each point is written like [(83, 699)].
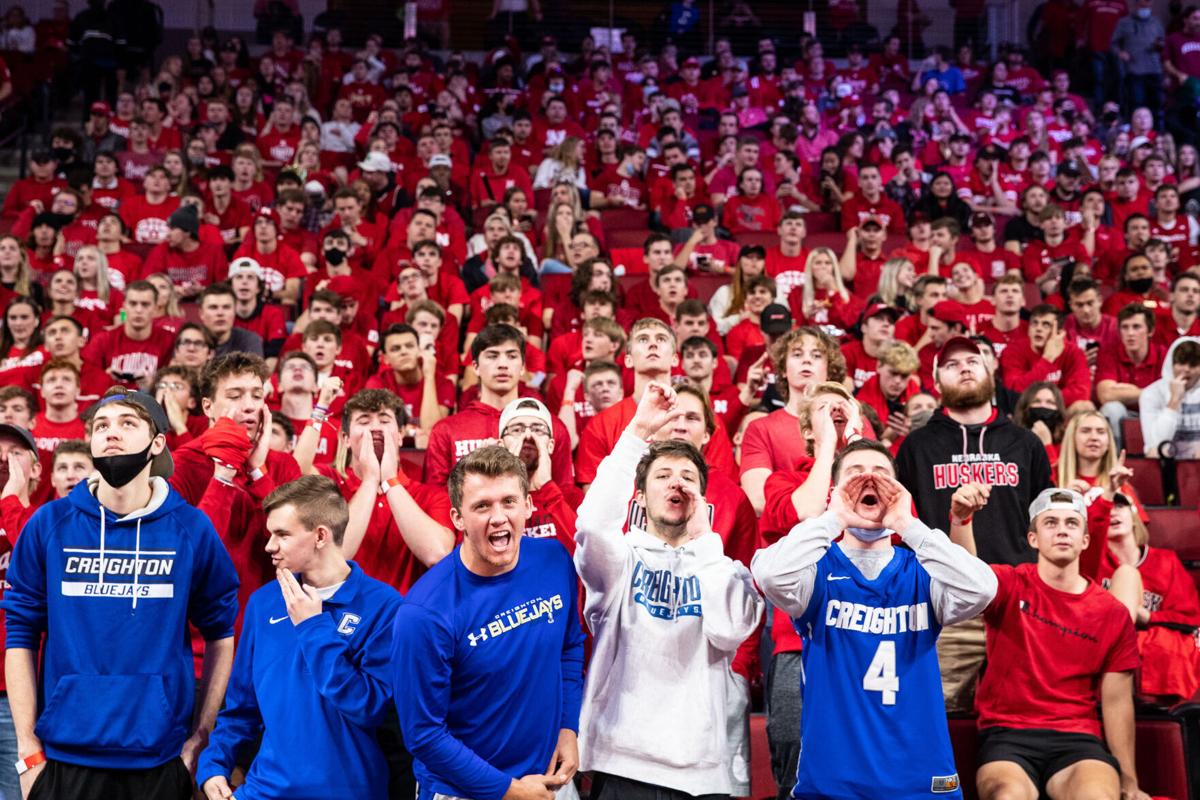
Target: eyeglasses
[(172, 386), (193, 343), (537, 429)]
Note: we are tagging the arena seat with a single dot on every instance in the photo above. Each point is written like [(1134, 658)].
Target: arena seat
[(1147, 480), (628, 260), (1178, 529), (767, 239), (626, 238), (822, 223), (1033, 295), (1131, 435), (620, 219), (412, 460), (1187, 474), (704, 283)]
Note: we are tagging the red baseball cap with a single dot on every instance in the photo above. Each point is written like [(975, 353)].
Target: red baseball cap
[(949, 312), (268, 213), (344, 287), (875, 309), (952, 344), (101, 108)]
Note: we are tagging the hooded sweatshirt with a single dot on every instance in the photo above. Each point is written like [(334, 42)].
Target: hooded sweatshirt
[(667, 622), (935, 460), (1162, 424), (114, 596)]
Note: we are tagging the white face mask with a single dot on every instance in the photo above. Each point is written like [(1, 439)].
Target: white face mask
[(870, 535), (1143, 13)]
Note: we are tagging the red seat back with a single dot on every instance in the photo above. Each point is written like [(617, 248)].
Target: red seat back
[(1131, 435), (1147, 480)]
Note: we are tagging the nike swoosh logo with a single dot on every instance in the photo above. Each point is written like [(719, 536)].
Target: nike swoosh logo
[(277, 621), (837, 577)]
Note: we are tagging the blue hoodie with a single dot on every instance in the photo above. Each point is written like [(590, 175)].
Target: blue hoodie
[(316, 692), (114, 596)]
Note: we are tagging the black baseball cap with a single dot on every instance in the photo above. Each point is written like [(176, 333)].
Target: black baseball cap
[(703, 214), (981, 219), (776, 320), (163, 465), (16, 430)]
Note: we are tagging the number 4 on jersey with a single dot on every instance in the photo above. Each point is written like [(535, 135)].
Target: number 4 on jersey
[(881, 674)]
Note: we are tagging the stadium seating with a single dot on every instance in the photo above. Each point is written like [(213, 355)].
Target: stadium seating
[(1147, 480)]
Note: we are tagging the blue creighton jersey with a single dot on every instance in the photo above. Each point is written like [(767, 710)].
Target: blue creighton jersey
[(874, 722)]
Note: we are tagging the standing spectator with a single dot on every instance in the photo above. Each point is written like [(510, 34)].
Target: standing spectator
[(95, 49), (932, 464), (131, 666), (1047, 355), (865, 570), (711, 609), (1183, 49), (138, 26), (1099, 18), (1138, 40), (319, 685), (458, 628)]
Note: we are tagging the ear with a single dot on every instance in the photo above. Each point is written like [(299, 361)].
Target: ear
[(206, 406), (628, 361), (324, 537), (1031, 537), (460, 524), (528, 507), (158, 444), (639, 497)]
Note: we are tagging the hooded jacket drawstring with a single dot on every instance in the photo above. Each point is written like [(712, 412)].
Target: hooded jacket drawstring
[(982, 431), (137, 560), (102, 516)]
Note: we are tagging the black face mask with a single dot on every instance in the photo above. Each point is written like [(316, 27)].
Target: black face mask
[(1048, 416), (63, 154), (335, 257), (1140, 286), (120, 470), (59, 221)]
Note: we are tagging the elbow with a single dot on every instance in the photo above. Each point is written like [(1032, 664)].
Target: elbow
[(439, 550)]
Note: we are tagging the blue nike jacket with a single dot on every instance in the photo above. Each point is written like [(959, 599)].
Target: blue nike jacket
[(316, 692)]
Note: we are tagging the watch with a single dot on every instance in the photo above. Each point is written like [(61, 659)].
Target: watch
[(29, 762)]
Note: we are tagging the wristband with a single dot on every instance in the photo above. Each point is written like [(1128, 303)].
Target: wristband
[(29, 762), (256, 474), (322, 409), (964, 521), (400, 479)]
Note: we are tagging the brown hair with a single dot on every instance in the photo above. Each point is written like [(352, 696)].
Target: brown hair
[(493, 461), (672, 448), (228, 365), (317, 502), (710, 419), (59, 364), (322, 327), (835, 362), (857, 447)]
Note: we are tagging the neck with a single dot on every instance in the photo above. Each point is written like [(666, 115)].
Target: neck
[(641, 379), (1087, 467), (1006, 320), (137, 334), (873, 346), (1183, 318), (970, 416), (971, 295), (986, 247), (109, 246), (790, 249), (156, 197), (296, 403), (63, 308), (489, 397), (1138, 354), (131, 497), (64, 413), (673, 535), (1055, 239), (1065, 578), (1126, 550), (796, 400), (852, 542), (407, 377), (244, 308), (331, 570), (267, 247)]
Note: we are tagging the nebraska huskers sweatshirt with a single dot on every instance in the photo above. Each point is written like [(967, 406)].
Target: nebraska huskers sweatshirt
[(667, 622), (935, 460)]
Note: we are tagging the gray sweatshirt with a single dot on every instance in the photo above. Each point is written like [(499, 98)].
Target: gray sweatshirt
[(667, 622), (960, 585)]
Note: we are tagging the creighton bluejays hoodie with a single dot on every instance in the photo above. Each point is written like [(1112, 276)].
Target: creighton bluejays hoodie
[(667, 622), (114, 596), (1161, 423), (935, 460)]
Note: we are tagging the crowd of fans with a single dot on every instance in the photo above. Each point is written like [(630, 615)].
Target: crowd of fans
[(367, 264)]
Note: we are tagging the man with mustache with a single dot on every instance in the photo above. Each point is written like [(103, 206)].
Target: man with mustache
[(968, 441), (870, 614)]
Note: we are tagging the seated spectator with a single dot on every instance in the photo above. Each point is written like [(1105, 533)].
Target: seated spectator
[(1090, 463), (1046, 355), (1181, 316), (409, 370), (727, 304), (132, 352), (823, 300), (1166, 407), (599, 386), (1041, 410), (1122, 373), (863, 259), (218, 315), (1169, 612), (1136, 285), (703, 250), (889, 390)]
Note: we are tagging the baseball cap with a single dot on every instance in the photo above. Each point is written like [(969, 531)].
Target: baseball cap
[(376, 162), (245, 264), (690, 61), (875, 309), (949, 312), (981, 219), (440, 160), (1045, 502), (101, 108), (42, 156), (1140, 141), (703, 213), (871, 222), (775, 320), (345, 287), (163, 465), (525, 407), (1070, 170), (952, 344), (16, 430), (268, 213)]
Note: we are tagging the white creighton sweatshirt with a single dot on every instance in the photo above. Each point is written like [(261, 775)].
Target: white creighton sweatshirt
[(666, 623)]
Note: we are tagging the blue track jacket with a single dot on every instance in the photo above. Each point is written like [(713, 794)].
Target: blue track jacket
[(316, 692)]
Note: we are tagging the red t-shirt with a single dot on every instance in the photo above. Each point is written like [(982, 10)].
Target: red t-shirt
[(411, 394), (114, 349), (1047, 651), (858, 209), (205, 265), (278, 146), (47, 435), (1114, 364), (774, 442), (148, 221)]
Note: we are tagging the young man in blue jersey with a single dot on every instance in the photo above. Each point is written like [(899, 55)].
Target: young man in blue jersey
[(668, 610), (870, 614), (487, 651), (311, 672), (111, 576)]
